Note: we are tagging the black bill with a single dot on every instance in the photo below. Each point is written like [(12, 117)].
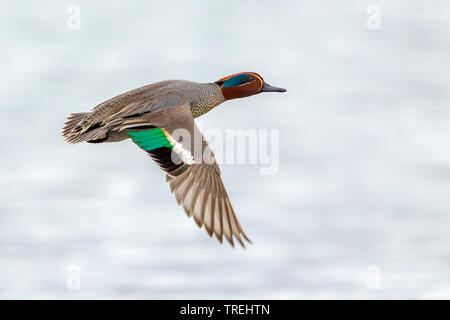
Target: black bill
[(268, 88)]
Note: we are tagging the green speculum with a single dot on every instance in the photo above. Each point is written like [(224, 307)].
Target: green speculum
[(150, 139)]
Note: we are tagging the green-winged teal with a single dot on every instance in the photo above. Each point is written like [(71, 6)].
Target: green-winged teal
[(149, 116)]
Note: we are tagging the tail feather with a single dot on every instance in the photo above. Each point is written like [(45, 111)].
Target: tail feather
[(76, 129)]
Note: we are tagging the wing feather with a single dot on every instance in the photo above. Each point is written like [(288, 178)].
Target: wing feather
[(198, 187)]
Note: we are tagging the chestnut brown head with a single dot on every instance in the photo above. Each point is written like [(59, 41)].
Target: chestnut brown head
[(244, 84)]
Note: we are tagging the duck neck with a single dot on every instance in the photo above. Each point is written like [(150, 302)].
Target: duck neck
[(207, 97)]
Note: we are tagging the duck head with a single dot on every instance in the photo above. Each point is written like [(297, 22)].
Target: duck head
[(244, 84)]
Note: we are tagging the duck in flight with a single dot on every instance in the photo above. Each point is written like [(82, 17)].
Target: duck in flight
[(153, 117)]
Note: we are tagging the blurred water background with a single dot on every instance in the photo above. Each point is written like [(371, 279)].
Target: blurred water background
[(364, 178)]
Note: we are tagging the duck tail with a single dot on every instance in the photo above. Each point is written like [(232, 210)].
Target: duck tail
[(79, 129)]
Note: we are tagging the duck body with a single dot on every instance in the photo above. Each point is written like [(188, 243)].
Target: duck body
[(202, 97), (150, 116)]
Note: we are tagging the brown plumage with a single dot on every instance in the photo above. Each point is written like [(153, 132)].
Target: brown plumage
[(161, 110)]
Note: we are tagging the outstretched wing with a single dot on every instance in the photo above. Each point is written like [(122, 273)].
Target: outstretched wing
[(192, 172)]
